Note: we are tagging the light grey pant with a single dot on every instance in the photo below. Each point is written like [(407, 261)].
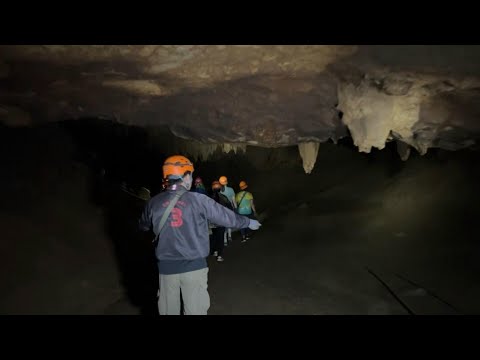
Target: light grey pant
[(227, 235), (193, 285)]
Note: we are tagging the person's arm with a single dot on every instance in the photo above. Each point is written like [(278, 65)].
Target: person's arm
[(222, 216), (253, 207)]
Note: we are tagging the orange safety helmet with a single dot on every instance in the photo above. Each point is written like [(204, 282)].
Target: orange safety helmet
[(223, 180), (216, 185), (176, 166), (243, 185)]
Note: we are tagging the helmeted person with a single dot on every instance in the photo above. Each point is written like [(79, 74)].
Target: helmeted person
[(179, 218), (245, 206), (217, 231), (230, 195), (198, 186)]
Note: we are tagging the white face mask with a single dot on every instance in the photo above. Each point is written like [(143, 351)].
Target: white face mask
[(187, 181)]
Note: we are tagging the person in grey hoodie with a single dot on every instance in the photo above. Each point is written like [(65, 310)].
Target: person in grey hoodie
[(182, 244)]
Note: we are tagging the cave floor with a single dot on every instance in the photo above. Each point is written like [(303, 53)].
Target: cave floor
[(317, 264)]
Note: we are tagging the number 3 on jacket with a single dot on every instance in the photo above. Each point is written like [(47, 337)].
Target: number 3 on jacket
[(177, 220)]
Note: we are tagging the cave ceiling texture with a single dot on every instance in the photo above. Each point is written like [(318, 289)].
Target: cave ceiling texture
[(231, 96)]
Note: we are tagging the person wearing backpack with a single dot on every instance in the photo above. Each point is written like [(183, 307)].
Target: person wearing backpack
[(179, 219), (246, 207), (230, 194), (218, 231)]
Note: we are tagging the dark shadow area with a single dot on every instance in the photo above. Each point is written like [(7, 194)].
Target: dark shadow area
[(55, 257), (134, 250), (120, 162), (388, 156)]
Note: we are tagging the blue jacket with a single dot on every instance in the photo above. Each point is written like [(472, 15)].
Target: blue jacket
[(185, 234)]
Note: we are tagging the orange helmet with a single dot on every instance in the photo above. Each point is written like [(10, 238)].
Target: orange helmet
[(176, 166), (216, 185), (223, 180), (243, 185)]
